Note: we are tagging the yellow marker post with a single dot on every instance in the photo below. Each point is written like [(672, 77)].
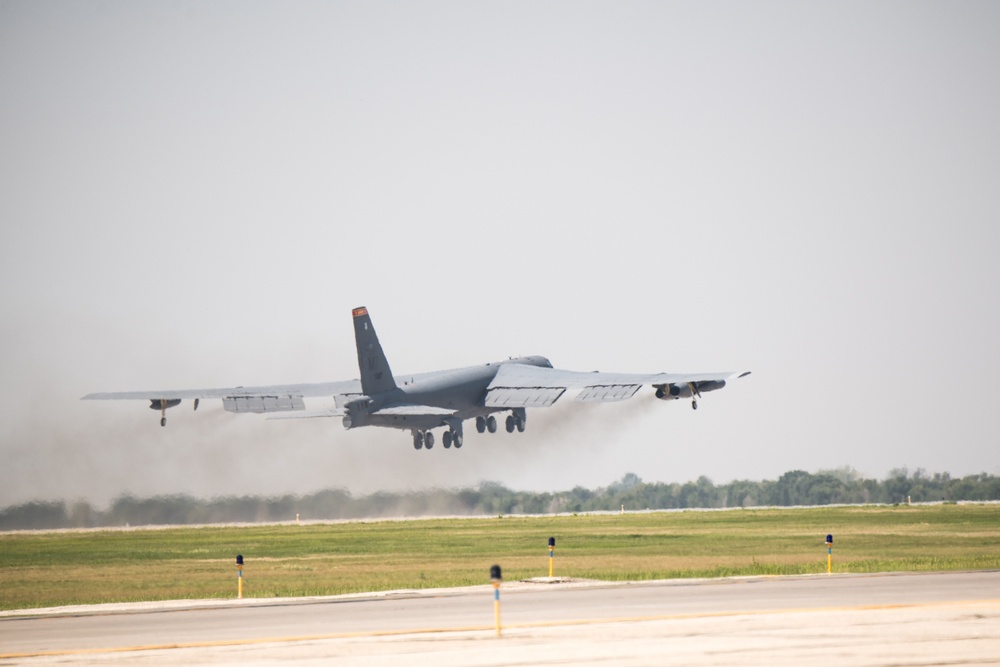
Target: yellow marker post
[(829, 554), (496, 578), (239, 577), (552, 546)]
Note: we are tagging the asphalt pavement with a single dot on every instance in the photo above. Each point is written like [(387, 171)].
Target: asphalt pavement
[(881, 619)]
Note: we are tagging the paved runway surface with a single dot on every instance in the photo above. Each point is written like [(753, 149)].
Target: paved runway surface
[(901, 619)]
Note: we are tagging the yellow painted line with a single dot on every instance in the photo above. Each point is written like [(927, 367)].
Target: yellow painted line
[(758, 612), (240, 642), (486, 628)]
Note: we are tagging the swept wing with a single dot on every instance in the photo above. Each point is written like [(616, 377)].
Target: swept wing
[(269, 398), (517, 385), (327, 389)]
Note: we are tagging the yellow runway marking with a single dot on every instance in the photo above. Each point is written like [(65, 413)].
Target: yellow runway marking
[(487, 628)]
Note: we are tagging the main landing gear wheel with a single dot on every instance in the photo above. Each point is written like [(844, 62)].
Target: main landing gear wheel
[(429, 440), (446, 439), (418, 440), (458, 440), (481, 425), (515, 422), (491, 424)]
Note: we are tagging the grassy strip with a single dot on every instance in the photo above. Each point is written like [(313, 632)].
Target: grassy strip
[(50, 569)]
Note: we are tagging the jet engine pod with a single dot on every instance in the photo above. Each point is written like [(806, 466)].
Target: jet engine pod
[(163, 403), (711, 385), (671, 392)]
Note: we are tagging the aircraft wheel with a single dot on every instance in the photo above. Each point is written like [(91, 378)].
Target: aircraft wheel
[(510, 423), (446, 439), (491, 424), (694, 405), (418, 440), (429, 440), (163, 421), (520, 426), (458, 440), (481, 425)]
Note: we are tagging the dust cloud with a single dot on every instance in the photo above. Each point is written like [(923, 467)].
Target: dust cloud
[(103, 450)]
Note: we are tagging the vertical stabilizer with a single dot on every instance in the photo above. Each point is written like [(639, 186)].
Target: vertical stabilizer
[(376, 377)]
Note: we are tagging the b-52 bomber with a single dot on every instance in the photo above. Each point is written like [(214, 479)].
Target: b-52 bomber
[(438, 399)]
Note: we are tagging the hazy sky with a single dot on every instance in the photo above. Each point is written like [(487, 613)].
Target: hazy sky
[(195, 194)]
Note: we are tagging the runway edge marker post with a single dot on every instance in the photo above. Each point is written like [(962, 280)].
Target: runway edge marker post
[(496, 577), (829, 554), (239, 577), (552, 546)]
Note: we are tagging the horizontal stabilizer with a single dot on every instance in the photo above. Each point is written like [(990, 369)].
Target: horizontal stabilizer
[(409, 410), (607, 392), (523, 397), (310, 414)]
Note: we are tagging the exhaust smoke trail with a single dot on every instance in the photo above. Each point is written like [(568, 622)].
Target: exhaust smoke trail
[(99, 452)]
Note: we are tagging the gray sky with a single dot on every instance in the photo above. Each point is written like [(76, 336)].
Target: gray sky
[(195, 194)]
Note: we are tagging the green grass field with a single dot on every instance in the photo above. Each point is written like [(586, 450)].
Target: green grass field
[(59, 568)]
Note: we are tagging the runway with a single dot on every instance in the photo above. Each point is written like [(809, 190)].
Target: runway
[(886, 619)]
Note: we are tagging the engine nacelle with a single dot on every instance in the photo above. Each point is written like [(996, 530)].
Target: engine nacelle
[(163, 403), (672, 392)]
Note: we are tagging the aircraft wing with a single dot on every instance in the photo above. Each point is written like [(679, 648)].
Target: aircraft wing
[(270, 398), (522, 385), (327, 389)]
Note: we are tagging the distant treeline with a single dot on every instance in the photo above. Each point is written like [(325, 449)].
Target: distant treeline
[(843, 485)]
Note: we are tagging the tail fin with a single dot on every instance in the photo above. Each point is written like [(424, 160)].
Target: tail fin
[(376, 377)]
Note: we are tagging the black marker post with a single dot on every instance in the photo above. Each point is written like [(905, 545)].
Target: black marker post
[(239, 577)]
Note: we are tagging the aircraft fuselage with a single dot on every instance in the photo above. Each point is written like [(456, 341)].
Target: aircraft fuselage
[(460, 390)]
